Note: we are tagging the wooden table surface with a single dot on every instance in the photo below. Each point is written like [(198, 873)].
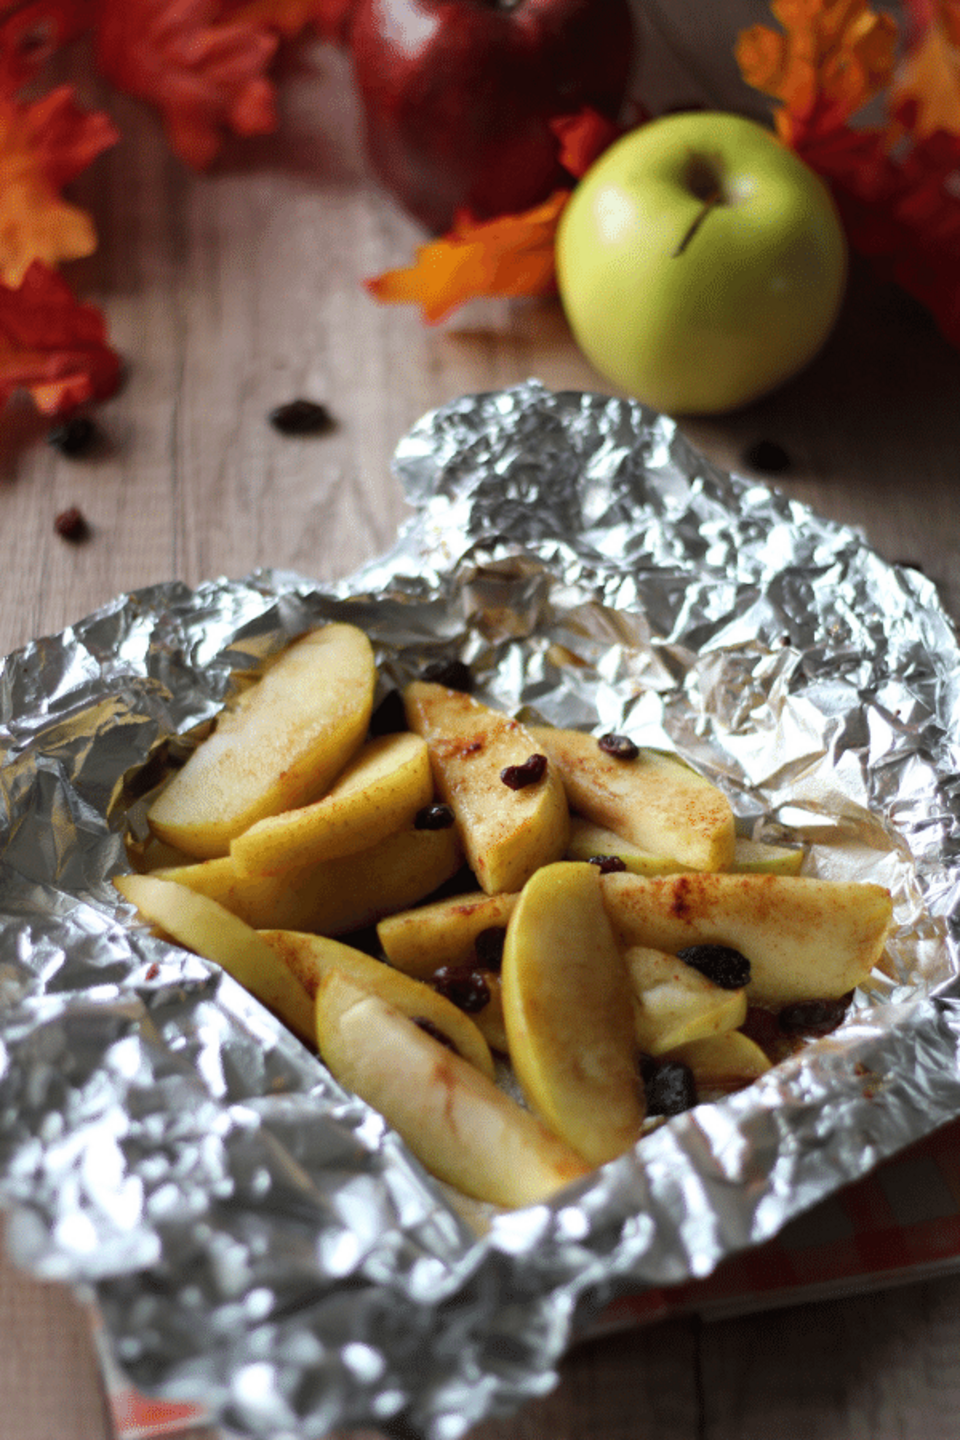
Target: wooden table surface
[(231, 293)]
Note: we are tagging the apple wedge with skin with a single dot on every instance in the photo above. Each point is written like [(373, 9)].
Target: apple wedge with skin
[(568, 1013), (722, 1063), (280, 744), (457, 1123), (337, 895), (442, 932), (311, 957), (651, 799), (379, 791), (589, 841), (805, 938), (200, 924), (674, 1003), (508, 833)]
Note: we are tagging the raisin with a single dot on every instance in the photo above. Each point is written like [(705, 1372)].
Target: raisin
[(454, 674), (389, 718), (75, 437), (762, 1027), (488, 947), (301, 417), (767, 456), (814, 1017), (433, 817), (72, 525), (608, 864), (621, 747), (671, 1089), (463, 985), (722, 964), (429, 1028), (531, 772)]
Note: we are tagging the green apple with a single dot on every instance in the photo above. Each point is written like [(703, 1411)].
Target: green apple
[(700, 262)]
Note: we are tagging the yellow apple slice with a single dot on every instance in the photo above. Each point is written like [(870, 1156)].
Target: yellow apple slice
[(444, 932), (310, 957), (463, 1129), (651, 799), (674, 1003), (588, 840), (806, 939), (379, 791), (338, 895), (489, 1021), (507, 833), (760, 857), (568, 1012), (722, 1063), (200, 924), (279, 745)]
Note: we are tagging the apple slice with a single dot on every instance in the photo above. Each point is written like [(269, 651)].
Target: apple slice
[(760, 857), (280, 744), (568, 1013), (310, 957), (507, 832), (805, 939), (463, 1129), (651, 799), (379, 791), (200, 924), (674, 1003), (722, 1063), (443, 932), (338, 895), (588, 840)]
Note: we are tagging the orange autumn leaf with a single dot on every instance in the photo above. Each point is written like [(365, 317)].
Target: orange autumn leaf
[(36, 223), (204, 74), (930, 73), (509, 256), (832, 56), (53, 346)]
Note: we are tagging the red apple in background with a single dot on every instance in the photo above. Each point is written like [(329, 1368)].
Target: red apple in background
[(457, 95)]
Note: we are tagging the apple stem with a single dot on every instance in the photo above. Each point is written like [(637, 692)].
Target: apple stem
[(710, 202)]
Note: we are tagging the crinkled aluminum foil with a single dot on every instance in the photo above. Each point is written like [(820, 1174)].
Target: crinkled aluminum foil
[(255, 1238)]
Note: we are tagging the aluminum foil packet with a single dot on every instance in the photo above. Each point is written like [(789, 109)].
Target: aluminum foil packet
[(257, 1239)]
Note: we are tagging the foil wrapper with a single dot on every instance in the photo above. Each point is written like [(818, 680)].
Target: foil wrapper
[(256, 1238)]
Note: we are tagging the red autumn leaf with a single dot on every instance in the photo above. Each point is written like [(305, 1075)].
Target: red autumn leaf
[(583, 138), (52, 345), (64, 138), (330, 18), (33, 32), (36, 223), (509, 256), (204, 74)]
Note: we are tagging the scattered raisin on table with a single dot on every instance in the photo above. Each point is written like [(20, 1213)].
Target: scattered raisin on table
[(454, 674), (722, 964), (71, 524), (608, 864), (621, 747), (74, 437), (433, 817), (488, 947), (463, 985), (531, 772), (301, 417), (428, 1027)]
